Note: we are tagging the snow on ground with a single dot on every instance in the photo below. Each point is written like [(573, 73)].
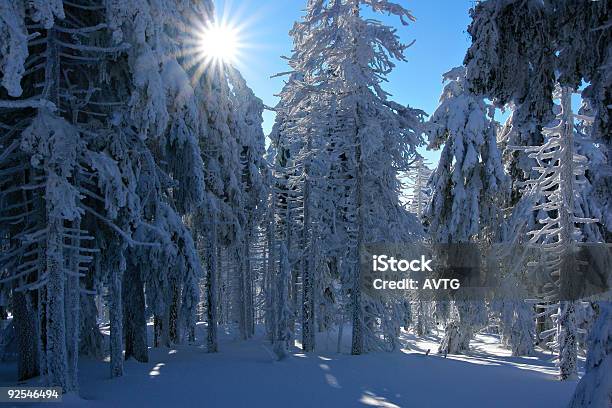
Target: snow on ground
[(244, 374)]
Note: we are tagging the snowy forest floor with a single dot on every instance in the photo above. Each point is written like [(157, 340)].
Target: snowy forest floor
[(245, 374)]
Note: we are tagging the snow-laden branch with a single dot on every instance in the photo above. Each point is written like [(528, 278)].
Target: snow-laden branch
[(36, 103)]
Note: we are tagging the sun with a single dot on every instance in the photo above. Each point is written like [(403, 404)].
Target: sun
[(215, 45), (219, 43)]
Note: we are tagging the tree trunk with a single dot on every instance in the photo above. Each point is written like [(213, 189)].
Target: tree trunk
[(566, 337), (566, 321), (282, 311), (293, 291), (57, 363), (211, 287), (91, 343), (56, 359), (116, 323), (134, 319), (156, 330), (42, 330), (249, 308), (240, 302), (357, 338), (270, 272), (540, 325), (73, 305), (162, 335), (308, 278), (26, 329), (173, 314)]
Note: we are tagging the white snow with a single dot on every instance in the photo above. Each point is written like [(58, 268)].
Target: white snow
[(246, 374)]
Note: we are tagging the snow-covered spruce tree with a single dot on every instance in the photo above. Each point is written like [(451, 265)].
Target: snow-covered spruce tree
[(306, 182), (584, 42), (170, 176), (221, 152), (561, 172), (281, 305), (237, 235), (306, 163), (208, 238), (417, 185), (164, 110), (246, 128), (418, 196), (511, 62), (231, 150), (515, 316), (342, 61), (56, 127), (277, 281), (220, 157), (284, 144), (274, 283), (467, 187), (170, 278), (320, 168), (128, 155), (595, 387), (298, 135), (589, 203), (305, 133), (311, 185), (422, 316), (517, 50)]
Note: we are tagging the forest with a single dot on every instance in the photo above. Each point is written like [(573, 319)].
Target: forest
[(145, 212)]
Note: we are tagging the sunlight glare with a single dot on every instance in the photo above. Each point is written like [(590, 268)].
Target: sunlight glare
[(220, 43), (216, 45)]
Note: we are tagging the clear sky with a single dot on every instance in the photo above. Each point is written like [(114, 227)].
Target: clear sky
[(440, 32)]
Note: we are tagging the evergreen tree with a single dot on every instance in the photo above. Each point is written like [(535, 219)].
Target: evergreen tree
[(365, 138), (468, 185), (561, 171), (519, 50), (418, 180), (594, 389)]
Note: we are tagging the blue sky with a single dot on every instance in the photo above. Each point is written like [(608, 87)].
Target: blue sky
[(440, 32)]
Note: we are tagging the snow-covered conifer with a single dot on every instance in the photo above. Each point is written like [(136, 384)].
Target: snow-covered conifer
[(368, 139), (561, 171), (595, 387), (468, 185), (417, 184)]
